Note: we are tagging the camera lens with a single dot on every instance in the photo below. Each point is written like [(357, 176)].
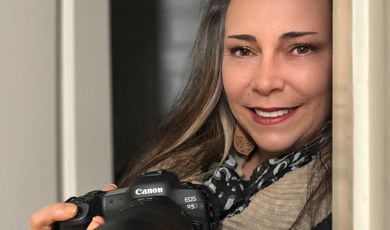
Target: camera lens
[(150, 213)]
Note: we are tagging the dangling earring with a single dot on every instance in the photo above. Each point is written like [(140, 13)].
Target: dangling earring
[(242, 142)]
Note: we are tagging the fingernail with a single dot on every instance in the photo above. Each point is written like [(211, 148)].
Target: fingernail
[(98, 220), (109, 187), (70, 209), (114, 186)]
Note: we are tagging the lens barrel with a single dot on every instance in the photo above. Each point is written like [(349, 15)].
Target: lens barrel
[(150, 213)]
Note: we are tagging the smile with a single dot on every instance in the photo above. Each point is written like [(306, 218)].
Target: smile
[(272, 116), (277, 113)]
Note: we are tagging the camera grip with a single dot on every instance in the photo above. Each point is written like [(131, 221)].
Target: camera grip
[(88, 206)]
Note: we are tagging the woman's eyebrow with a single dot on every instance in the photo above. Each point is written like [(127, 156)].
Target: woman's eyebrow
[(284, 36), (245, 37), (295, 34)]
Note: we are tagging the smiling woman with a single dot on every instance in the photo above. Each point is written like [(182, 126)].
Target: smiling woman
[(254, 123), (277, 70), (261, 79)]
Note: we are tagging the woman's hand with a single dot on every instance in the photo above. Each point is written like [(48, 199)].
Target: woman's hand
[(44, 218), (96, 222)]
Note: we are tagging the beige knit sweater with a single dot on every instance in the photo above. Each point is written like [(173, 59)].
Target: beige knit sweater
[(278, 205)]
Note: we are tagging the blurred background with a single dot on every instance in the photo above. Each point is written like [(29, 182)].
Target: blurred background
[(151, 45), (83, 85)]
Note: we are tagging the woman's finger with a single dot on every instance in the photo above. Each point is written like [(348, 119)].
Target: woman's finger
[(109, 187), (96, 222), (45, 217)]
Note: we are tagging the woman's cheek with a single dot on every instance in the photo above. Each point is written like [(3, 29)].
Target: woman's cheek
[(237, 74)]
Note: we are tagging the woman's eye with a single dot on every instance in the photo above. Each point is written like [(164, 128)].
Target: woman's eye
[(241, 51), (302, 49)]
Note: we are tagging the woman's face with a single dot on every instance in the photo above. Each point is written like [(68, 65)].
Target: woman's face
[(277, 68)]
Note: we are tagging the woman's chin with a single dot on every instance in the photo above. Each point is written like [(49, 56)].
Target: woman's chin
[(274, 148)]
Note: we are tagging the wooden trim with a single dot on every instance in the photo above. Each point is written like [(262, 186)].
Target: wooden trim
[(342, 115)]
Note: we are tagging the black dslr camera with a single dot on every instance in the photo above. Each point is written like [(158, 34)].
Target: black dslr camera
[(155, 200)]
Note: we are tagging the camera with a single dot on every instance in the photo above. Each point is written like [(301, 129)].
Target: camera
[(155, 200)]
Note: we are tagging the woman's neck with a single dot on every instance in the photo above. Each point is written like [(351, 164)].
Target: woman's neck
[(256, 158)]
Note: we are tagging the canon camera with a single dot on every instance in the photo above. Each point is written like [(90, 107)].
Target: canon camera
[(155, 200)]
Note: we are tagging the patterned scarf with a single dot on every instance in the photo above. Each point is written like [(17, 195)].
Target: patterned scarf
[(233, 194)]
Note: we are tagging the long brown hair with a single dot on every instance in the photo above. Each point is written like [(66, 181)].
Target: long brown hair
[(198, 131)]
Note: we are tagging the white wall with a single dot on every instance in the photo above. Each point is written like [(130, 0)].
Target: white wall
[(31, 105), (28, 111)]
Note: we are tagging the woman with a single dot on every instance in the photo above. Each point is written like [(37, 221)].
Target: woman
[(259, 100)]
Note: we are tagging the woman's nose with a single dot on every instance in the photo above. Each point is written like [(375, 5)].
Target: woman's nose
[(268, 77)]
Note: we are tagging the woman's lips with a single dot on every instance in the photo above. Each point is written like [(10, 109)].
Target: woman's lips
[(272, 116)]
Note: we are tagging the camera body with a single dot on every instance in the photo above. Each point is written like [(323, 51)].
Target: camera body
[(153, 189)]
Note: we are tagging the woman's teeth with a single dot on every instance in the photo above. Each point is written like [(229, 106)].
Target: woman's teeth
[(273, 114)]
